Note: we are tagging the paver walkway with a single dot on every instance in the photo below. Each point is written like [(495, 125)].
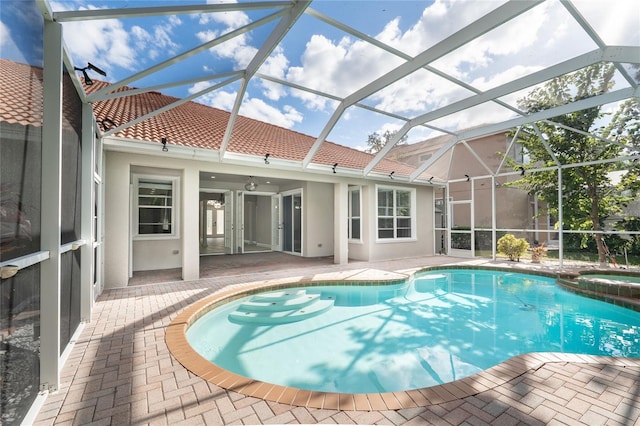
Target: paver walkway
[(120, 372)]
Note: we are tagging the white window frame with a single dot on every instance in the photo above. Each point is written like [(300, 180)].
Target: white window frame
[(174, 181), (351, 190), (412, 216)]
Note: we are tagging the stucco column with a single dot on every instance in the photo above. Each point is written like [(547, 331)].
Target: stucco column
[(118, 194), (190, 224), (340, 222)]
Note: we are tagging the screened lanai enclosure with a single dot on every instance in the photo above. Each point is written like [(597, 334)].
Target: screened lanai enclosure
[(442, 125), (454, 99)]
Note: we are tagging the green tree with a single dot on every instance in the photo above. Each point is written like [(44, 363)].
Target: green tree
[(376, 141), (589, 197)]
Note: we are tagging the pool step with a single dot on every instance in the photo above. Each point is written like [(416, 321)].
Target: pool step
[(268, 305), (276, 296), (280, 307)]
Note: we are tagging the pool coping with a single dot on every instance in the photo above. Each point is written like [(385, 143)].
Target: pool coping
[(183, 352)]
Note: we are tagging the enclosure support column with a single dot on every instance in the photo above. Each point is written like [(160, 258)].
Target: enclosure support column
[(51, 214), (190, 222), (494, 242), (88, 203), (340, 221), (472, 218), (536, 224), (560, 226)]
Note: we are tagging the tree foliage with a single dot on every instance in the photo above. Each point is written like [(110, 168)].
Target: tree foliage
[(589, 197), (376, 141)]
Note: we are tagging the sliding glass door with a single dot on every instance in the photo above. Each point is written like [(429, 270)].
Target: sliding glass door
[(292, 222)]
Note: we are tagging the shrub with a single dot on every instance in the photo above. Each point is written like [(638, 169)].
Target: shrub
[(538, 252), (512, 247)]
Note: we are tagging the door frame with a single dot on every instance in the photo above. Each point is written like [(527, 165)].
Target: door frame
[(292, 193)]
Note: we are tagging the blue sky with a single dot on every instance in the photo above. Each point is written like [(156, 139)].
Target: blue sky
[(326, 59)]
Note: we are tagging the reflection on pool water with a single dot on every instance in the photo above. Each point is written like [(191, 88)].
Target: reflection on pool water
[(441, 326)]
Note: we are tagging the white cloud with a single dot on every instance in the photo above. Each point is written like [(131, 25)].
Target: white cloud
[(275, 66), (338, 68), (435, 24), (160, 42), (232, 19), (109, 43), (174, 21), (198, 87), (489, 81), (615, 21), (236, 49), (103, 41), (256, 108), (5, 36), (343, 66)]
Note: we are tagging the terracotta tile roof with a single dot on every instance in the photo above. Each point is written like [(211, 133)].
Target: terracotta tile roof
[(190, 124), (20, 93), (200, 126)]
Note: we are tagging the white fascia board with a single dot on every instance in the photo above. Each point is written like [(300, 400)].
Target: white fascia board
[(133, 146), (257, 161), (340, 171)]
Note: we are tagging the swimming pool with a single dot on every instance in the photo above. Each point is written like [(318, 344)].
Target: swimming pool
[(440, 326)]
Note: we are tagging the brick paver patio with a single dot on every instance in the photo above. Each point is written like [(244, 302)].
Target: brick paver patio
[(120, 372)]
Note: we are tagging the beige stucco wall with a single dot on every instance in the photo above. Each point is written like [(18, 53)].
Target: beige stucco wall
[(116, 221), (318, 218), (422, 245)]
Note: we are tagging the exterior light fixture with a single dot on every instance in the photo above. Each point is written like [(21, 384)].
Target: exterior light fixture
[(106, 124), (90, 66), (430, 179), (334, 167), (467, 176), (251, 185), (266, 158), (164, 145), (391, 174), (521, 170)]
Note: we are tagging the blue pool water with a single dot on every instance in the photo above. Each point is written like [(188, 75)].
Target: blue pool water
[(442, 326)]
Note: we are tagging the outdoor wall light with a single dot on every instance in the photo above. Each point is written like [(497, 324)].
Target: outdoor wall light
[(430, 179), (467, 176), (251, 185), (391, 174), (91, 67), (266, 158), (521, 170), (164, 145), (334, 167), (106, 124)]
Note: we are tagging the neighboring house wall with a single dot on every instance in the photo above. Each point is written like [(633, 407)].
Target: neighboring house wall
[(514, 208)]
